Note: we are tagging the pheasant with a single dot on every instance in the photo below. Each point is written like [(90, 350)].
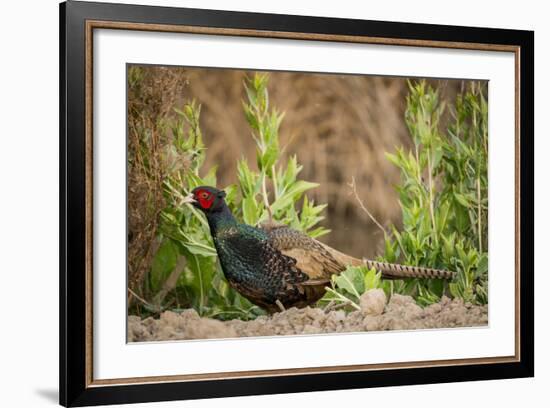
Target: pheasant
[(277, 267)]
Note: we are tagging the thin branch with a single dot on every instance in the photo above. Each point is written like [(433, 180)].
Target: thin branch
[(329, 306), (335, 306), (353, 186), (340, 306), (149, 305), (431, 198)]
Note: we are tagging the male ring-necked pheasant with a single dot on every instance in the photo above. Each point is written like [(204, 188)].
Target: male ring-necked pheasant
[(274, 265)]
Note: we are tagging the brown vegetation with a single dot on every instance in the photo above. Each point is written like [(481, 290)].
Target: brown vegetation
[(148, 104)]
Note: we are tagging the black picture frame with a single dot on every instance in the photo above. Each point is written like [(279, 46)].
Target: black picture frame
[(76, 387)]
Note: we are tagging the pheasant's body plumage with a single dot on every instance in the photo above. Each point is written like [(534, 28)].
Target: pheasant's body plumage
[(273, 264)]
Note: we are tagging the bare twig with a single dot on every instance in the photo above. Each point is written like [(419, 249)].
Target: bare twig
[(363, 207), (146, 303), (280, 305), (336, 306), (329, 305)]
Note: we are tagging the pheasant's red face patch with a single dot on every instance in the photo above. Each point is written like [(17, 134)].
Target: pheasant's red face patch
[(204, 198)]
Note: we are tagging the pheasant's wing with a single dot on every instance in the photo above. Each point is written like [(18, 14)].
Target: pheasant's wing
[(314, 258), (252, 250)]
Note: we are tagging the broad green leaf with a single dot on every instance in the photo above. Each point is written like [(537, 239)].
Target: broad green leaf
[(351, 280), (198, 276), (164, 262), (483, 265)]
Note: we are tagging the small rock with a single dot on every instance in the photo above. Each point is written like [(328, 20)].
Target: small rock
[(372, 302)]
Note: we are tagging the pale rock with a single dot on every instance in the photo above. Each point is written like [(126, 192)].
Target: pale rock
[(372, 302)]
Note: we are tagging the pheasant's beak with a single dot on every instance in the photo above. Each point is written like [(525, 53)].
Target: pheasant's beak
[(188, 199)]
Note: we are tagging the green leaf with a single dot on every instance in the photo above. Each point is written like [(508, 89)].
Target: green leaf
[(210, 177), (250, 210), (372, 279), (351, 280), (318, 232), (394, 159), (198, 276), (251, 118), (163, 263), (291, 172), (482, 266), (389, 250), (196, 247), (292, 194), (221, 286), (247, 179), (230, 194), (269, 157)]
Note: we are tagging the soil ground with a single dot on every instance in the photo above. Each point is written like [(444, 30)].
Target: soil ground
[(400, 313)]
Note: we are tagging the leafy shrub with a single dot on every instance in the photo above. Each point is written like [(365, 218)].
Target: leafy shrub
[(443, 194), (443, 197)]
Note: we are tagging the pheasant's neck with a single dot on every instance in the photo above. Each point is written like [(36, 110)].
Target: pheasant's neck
[(220, 220)]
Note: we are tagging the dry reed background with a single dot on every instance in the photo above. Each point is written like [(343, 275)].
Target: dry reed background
[(339, 126)]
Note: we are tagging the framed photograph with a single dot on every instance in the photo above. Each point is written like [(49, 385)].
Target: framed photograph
[(256, 203)]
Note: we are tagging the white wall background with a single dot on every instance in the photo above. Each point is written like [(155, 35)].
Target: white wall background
[(29, 204)]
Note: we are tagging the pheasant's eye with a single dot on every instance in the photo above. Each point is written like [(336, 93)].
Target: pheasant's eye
[(203, 194)]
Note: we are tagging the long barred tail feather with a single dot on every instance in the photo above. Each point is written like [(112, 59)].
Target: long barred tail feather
[(397, 271)]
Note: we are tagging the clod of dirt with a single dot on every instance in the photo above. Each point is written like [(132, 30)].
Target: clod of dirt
[(400, 313), (373, 302)]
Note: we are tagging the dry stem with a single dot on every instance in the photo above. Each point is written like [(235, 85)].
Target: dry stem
[(363, 207)]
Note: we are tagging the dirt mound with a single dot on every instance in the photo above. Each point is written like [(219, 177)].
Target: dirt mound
[(400, 313)]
